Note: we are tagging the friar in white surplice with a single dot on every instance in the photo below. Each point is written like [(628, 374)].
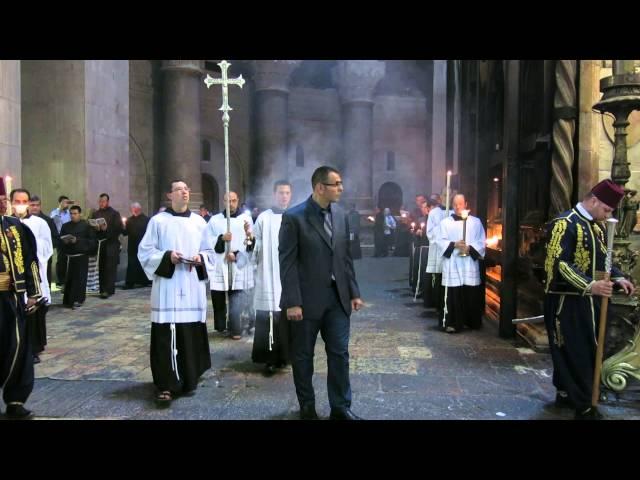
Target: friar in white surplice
[(461, 263), (241, 245), (433, 293), (170, 254), (271, 339), (37, 324)]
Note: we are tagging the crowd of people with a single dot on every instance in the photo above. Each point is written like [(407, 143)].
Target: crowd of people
[(283, 275)]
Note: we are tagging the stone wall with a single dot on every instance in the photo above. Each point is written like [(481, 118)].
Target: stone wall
[(10, 153), (315, 127), (53, 130), (142, 151), (399, 126), (107, 132)]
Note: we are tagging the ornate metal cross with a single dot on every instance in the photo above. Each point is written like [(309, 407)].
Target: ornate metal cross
[(225, 81)]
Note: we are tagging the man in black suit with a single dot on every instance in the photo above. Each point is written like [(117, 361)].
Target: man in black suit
[(319, 291)]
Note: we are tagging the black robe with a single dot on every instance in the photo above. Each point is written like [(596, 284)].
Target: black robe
[(378, 236), (278, 355), (77, 260), (135, 229), (109, 255)]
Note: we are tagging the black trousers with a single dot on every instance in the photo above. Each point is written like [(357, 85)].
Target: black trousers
[(334, 326), (237, 300), (16, 355), (75, 289), (108, 266)]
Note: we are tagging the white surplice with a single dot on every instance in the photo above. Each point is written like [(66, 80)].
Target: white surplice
[(268, 288), (44, 245), (183, 297), (242, 269), (434, 260), (457, 270)]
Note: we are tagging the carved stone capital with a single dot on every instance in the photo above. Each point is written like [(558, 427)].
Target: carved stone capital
[(357, 79), (273, 74), (186, 66)]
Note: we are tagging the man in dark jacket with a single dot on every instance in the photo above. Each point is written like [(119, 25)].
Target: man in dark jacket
[(319, 291)]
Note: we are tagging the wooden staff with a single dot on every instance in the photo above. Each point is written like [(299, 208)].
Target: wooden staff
[(595, 396)]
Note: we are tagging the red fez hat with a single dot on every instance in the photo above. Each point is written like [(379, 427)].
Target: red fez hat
[(3, 190), (608, 192)]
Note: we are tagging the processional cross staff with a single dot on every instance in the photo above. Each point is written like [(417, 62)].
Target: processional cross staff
[(225, 81), (595, 393)]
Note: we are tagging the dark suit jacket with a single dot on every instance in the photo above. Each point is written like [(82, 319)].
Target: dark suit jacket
[(308, 258)]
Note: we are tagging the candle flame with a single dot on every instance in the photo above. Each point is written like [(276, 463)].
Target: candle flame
[(493, 241)]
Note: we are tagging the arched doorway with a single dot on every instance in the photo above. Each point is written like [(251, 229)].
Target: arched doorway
[(210, 193), (390, 196)]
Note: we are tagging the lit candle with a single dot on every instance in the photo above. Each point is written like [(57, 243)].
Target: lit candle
[(447, 193), (7, 181), (464, 214)]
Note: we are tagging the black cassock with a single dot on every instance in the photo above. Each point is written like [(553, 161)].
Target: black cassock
[(77, 260), (275, 352), (109, 255), (571, 314), (135, 229)]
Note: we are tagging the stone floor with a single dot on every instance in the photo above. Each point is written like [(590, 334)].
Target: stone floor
[(96, 366)]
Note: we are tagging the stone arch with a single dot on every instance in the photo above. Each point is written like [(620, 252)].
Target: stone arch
[(139, 177), (215, 168), (390, 196), (210, 192)]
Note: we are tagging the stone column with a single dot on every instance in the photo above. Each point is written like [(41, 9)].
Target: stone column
[(589, 126), (10, 151), (439, 132), (182, 143), (271, 80), (357, 80)]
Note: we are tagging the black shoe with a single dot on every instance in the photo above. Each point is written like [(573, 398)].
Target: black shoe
[(308, 412), (64, 305), (16, 411), (36, 359), (127, 287), (270, 370), (563, 401), (591, 413), (77, 304), (345, 414), (104, 295)]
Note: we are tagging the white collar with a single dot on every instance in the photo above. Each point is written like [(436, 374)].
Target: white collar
[(583, 212)]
